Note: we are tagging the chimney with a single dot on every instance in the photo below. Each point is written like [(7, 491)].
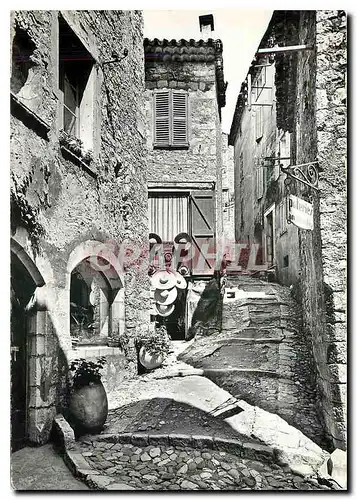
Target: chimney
[(206, 26)]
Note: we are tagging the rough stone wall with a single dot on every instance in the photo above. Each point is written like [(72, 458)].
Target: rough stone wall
[(202, 161), (320, 116), (331, 111), (70, 205)]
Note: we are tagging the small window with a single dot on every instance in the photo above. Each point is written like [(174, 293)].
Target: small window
[(22, 50), (286, 261), (76, 86), (170, 119)]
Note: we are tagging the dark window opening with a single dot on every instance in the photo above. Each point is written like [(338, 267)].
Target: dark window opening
[(22, 50), (91, 301), (75, 66), (286, 261)]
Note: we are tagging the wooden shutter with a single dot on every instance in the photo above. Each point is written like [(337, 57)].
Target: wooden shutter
[(258, 122), (179, 119), (202, 232), (162, 118), (259, 176)]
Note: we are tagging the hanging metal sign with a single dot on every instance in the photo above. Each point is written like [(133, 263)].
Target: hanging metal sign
[(301, 213)]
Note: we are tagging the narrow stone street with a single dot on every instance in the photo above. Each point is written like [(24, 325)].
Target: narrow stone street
[(42, 468), (161, 434)]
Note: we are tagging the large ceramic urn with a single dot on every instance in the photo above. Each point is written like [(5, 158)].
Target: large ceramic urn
[(88, 409)]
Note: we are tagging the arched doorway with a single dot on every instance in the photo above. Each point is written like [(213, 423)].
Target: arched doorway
[(22, 288)]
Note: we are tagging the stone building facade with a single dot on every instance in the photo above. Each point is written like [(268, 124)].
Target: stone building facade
[(185, 91), (292, 111), (78, 197)]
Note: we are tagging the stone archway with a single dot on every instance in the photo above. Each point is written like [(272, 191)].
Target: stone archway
[(25, 278), (95, 285)]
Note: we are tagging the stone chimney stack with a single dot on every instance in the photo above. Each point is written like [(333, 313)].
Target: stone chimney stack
[(206, 26)]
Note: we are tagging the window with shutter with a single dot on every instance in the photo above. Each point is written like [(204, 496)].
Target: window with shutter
[(202, 231), (76, 86), (258, 123), (162, 118), (259, 181), (170, 119), (282, 216)]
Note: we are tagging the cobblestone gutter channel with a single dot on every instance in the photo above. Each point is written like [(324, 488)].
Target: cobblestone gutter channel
[(174, 462), (159, 461)]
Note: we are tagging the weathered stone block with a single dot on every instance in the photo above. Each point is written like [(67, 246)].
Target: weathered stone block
[(158, 439), (162, 84), (202, 441), (140, 440), (40, 424), (180, 439)]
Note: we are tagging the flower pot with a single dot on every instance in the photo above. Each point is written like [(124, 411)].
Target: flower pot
[(88, 408), (148, 360)]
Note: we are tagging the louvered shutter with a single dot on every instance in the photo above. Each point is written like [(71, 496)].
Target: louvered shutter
[(179, 119), (258, 122), (202, 231), (259, 181), (162, 118)]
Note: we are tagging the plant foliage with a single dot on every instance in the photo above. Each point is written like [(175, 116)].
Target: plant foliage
[(158, 342), (86, 372)]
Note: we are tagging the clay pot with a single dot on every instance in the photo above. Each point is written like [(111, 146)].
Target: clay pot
[(148, 360), (88, 408)]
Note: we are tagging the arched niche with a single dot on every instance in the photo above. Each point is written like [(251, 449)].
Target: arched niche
[(95, 294)]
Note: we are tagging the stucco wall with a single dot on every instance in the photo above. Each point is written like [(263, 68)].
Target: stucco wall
[(248, 155), (78, 208)]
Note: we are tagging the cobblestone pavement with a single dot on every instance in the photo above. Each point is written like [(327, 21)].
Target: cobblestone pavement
[(41, 469), (166, 416), (124, 466)]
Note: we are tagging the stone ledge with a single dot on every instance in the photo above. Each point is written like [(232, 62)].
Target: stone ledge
[(248, 450)]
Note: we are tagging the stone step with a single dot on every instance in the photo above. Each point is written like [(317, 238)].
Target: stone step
[(253, 333)]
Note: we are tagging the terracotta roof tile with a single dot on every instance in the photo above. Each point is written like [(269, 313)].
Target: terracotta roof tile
[(189, 51)]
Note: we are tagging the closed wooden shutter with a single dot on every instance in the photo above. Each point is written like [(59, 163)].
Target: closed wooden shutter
[(162, 118), (258, 122), (170, 118), (179, 119), (259, 181), (202, 231)]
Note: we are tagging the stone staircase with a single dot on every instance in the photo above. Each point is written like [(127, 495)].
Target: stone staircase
[(260, 353)]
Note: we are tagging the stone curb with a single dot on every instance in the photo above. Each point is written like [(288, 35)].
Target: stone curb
[(95, 480), (252, 451), (77, 463)]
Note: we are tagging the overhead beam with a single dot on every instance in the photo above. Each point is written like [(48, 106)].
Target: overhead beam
[(291, 48)]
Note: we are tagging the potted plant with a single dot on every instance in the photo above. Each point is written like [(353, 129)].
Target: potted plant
[(154, 347), (88, 408)]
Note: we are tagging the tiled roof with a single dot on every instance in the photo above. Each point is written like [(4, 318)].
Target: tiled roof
[(189, 51)]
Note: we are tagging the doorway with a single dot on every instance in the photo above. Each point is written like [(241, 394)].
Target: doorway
[(22, 288), (269, 230)]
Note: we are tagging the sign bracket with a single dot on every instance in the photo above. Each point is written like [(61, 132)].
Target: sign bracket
[(306, 173)]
